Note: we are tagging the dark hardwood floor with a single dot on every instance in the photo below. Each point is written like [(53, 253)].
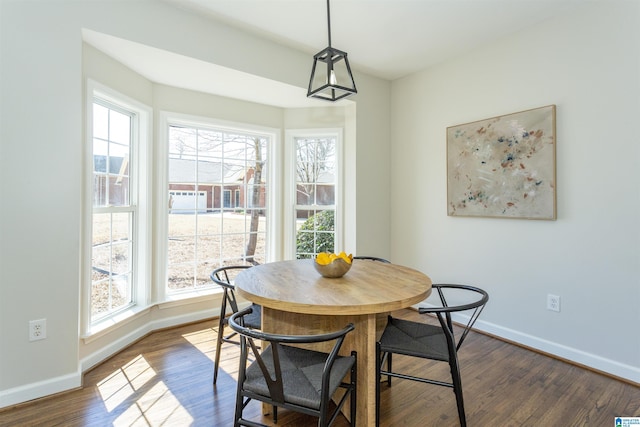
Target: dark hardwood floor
[(165, 379)]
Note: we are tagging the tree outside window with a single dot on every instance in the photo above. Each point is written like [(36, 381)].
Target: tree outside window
[(316, 174)]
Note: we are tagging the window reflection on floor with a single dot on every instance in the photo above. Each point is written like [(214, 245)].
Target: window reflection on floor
[(132, 391)]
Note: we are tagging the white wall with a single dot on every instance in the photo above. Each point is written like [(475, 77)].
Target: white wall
[(39, 236), (586, 63), (41, 136)]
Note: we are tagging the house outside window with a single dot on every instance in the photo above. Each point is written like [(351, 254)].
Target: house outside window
[(227, 198)]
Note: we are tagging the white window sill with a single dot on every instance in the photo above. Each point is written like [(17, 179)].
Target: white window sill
[(111, 323), (184, 298), (105, 326)]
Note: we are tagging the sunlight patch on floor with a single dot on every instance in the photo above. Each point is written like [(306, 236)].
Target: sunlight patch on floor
[(158, 406), (123, 383), (147, 403)]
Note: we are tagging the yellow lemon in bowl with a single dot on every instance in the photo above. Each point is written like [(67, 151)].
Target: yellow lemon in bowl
[(333, 265)]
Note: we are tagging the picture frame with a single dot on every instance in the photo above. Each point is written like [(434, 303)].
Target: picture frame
[(504, 166)]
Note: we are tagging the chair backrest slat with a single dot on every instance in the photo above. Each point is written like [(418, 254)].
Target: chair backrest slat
[(472, 321), (220, 277), (372, 258), (476, 306)]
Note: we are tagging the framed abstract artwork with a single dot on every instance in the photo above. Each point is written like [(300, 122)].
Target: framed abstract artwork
[(504, 166)]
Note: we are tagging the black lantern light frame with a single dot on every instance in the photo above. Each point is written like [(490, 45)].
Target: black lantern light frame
[(331, 76)]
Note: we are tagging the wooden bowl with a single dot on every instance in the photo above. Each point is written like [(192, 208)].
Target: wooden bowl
[(335, 269)]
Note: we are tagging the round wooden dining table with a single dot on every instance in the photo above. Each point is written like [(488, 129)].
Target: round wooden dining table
[(296, 299)]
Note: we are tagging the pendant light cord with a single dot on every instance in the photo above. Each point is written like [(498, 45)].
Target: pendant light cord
[(329, 23)]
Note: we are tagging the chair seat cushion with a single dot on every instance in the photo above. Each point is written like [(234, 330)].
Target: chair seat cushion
[(301, 375), (254, 319), (414, 339)]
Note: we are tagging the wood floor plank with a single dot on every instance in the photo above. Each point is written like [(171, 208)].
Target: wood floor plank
[(166, 379)]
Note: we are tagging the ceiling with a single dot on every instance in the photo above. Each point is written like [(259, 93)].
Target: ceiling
[(385, 38), (389, 39)]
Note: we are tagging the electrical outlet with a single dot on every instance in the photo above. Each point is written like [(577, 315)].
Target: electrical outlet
[(553, 302), (37, 329)]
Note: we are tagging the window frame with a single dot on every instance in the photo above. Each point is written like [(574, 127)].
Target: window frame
[(290, 188), (140, 153), (273, 245)]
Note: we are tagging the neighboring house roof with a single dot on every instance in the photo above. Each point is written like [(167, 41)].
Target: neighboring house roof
[(322, 178), (184, 171), (100, 164)]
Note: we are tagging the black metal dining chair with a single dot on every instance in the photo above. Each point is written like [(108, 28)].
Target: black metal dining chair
[(224, 277), (429, 341), (372, 258), (291, 377)]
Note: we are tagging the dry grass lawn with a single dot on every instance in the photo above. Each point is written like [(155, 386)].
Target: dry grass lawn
[(221, 239)]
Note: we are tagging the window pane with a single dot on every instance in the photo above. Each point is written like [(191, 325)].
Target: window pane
[(100, 153), (255, 221), (203, 272), (182, 143), (233, 245), (119, 127), (121, 226), (100, 298), (210, 224), (111, 258), (100, 122), (100, 189), (119, 151), (181, 225), (180, 272), (121, 258), (325, 195), (315, 191), (121, 291), (316, 234), (180, 276), (111, 262), (101, 262), (257, 196), (306, 194), (119, 191)]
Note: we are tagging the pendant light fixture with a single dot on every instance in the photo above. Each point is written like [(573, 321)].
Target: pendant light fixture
[(331, 77)]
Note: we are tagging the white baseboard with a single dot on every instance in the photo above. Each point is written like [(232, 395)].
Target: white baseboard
[(589, 360), (39, 389), (592, 361)]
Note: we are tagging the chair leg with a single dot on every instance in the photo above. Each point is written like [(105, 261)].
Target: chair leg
[(354, 389), (239, 408), (219, 343), (389, 368), (378, 379), (218, 348), (457, 389)]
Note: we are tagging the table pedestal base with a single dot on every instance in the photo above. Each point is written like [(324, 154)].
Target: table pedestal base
[(362, 339)]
